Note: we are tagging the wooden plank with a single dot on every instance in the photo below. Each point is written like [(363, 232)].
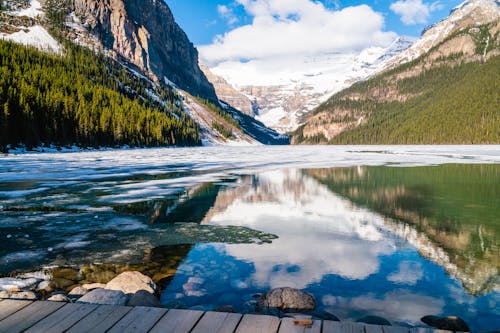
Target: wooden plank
[(62, 319), (395, 329), (288, 325), (369, 328), (139, 320), (177, 321), (28, 316), (258, 324), (100, 320), (10, 306), (427, 330), (217, 322), (342, 327)]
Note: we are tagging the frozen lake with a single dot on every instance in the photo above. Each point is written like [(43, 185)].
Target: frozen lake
[(394, 231)]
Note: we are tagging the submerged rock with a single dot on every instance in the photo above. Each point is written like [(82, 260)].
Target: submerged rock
[(374, 320), (132, 282), (144, 298), (105, 297), (224, 308), (450, 323), (287, 298)]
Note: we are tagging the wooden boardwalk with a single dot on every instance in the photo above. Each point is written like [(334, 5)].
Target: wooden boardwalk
[(54, 317)]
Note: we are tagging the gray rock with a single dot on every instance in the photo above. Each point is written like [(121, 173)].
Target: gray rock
[(450, 323), (374, 320), (132, 282), (24, 295), (104, 296), (59, 298), (287, 298), (144, 298), (78, 291)]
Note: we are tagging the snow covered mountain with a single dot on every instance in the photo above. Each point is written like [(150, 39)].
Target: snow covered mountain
[(145, 39), (283, 96), (469, 13)]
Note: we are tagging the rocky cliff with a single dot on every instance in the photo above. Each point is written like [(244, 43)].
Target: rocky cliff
[(145, 33)]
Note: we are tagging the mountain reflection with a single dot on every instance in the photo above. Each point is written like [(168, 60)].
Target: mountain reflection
[(362, 242), (319, 232), (448, 208)]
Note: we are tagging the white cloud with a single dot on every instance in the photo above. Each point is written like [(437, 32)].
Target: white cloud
[(409, 273), (414, 11), (284, 28), (227, 13)]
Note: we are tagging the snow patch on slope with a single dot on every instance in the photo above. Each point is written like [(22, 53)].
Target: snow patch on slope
[(33, 11), (36, 36)]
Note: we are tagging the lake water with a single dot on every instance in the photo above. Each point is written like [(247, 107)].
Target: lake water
[(394, 231)]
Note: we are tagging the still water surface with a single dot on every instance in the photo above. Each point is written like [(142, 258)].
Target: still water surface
[(398, 232)]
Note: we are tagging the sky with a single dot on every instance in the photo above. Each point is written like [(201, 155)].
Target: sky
[(246, 30)]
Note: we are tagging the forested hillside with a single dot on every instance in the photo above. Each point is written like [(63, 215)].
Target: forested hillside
[(87, 98), (450, 95)]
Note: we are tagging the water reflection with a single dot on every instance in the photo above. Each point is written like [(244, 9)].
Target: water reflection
[(452, 209), (356, 260)]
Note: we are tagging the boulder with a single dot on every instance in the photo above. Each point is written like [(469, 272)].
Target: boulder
[(104, 296), (92, 286), (59, 298), (144, 298), (46, 286), (287, 298), (12, 284), (374, 320), (78, 291), (450, 323), (132, 282), (24, 295)]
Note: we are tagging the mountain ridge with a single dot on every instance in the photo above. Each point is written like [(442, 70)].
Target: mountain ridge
[(440, 90)]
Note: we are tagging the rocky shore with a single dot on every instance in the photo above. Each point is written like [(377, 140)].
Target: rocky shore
[(133, 288)]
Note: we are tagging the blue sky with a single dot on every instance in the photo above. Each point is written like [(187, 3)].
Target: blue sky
[(203, 20)]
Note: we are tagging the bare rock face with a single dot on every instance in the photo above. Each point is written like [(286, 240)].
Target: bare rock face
[(132, 282), (145, 33), (227, 93), (287, 298)]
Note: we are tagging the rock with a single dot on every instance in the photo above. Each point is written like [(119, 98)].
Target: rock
[(100, 276), (78, 291), (58, 298), (323, 315), (24, 295), (287, 298), (104, 296), (374, 320), (144, 298), (132, 282), (46, 286), (66, 273), (12, 284), (92, 286), (62, 283), (450, 323), (225, 308)]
